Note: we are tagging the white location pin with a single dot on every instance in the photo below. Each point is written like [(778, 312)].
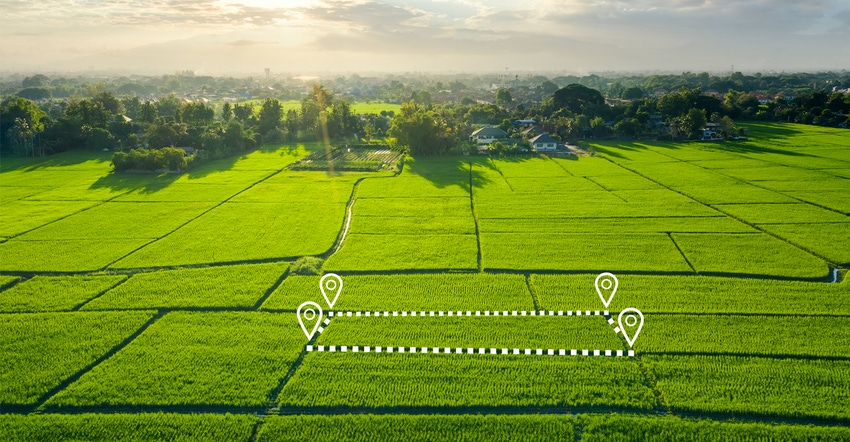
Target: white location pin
[(307, 313), (331, 284), (631, 322), (606, 283)]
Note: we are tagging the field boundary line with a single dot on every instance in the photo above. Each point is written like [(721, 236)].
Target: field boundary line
[(487, 351), (533, 293), (42, 401), (754, 225), (588, 179), (475, 218), (98, 295), (464, 313), (826, 261), (679, 249), (13, 283), (219, 204), (271, 289), (501, 174)]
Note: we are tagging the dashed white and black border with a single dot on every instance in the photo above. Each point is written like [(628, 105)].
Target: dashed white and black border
[(468, 350), (454, 313)]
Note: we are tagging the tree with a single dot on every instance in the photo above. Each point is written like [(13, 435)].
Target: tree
[(226, 112), (503, 97), (632, 93), (21, 121), (628, 127), (422, 131), (35, 93), (271, 115), (196, 114), (694, 122), (576, 98)]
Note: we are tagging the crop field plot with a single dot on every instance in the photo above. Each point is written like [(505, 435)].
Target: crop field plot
[(231, 286), (212, 359), (591, 252), (416, 427), (405, 252), (434, 381), (170, 192), (276, 230), (112, 221), (819, 238), (500, 332), (17, 217), (748, 254), (55, 293), (41, 350), (66, 255), (753, 385), (697, 294), (753, 335), (127, 427), (407, 292)]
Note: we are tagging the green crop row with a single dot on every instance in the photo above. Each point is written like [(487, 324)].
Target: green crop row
[(194, 358), (523, 332), (405, 292), (696, 294), (20, 216), (230, 286), (827, 240), (769, 387), (39, 351), (64, 255), (615, 225), (369, 380), (55, 293)]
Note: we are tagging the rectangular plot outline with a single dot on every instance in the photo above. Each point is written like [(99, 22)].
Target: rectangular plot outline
[(493, 351)]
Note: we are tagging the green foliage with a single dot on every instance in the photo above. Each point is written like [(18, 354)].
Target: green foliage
[(405, 252), (55, 293), (166, 158), (40, 350), (421, 131), (307, 265)]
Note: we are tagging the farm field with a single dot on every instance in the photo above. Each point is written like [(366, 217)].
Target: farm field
[(164, 307)]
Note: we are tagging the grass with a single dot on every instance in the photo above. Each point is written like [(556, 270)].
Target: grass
[(55, 293)]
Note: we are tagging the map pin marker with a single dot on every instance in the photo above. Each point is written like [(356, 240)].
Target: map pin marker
[(307, 313), (605, 283), (631, 321), (331, 283)]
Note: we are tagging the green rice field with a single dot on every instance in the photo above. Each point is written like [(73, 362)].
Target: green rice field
[(144, 307)]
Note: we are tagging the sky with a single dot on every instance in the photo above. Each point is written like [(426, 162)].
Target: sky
[(309, 36)]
